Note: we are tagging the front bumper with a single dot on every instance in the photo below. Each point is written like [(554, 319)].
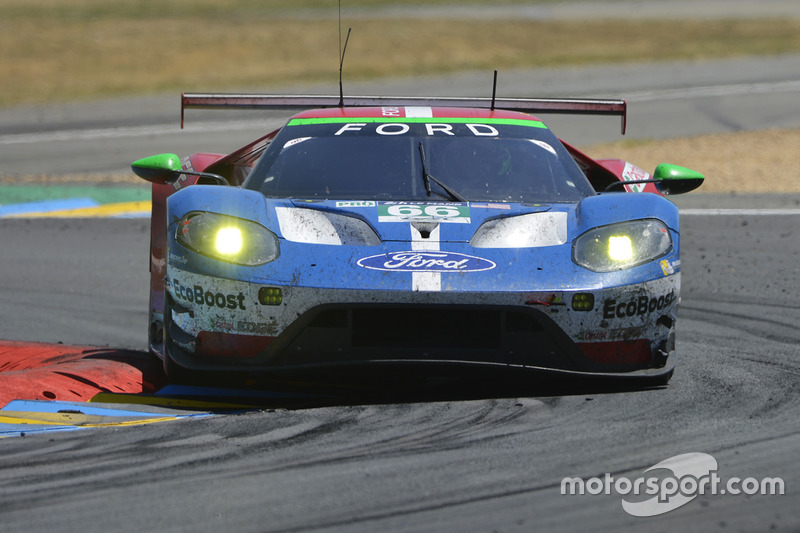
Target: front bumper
[(223, 324)]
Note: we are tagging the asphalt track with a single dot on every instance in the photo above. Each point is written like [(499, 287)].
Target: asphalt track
[(490, 457)]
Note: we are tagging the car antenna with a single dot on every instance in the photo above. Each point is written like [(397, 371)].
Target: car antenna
[(494, 89), (341, 54)]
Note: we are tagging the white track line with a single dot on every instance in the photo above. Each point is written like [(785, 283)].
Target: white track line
[(132, 131), (739, 212)]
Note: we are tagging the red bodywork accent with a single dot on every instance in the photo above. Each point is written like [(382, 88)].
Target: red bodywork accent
[(603, 172), (236, 166), (158, 233), (231, 345), (617, 166), (158, 243), (618, 352)]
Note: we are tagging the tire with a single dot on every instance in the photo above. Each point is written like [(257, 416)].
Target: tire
[(175, 373)]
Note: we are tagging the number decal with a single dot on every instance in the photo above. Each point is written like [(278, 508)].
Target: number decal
[(442, 211), (406, 211), (439, 212)]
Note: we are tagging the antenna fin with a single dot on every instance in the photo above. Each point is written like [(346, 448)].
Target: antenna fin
[(494, 89), (341, 62)]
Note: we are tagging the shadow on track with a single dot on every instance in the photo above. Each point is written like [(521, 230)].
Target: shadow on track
[(404, 383), (38, 371)]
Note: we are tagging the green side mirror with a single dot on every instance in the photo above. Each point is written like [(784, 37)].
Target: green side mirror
[(673, 179), (161, 168)]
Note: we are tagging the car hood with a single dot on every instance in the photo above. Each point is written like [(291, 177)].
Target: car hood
[(370, 222), (492, 245)]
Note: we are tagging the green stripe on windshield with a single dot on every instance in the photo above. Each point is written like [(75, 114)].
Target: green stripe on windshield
[(416, 120)]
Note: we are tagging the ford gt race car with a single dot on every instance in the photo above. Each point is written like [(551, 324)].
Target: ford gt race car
[(387, 230)]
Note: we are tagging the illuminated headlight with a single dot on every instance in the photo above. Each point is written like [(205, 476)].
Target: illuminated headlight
[(229, 239), (620, 248), (622, 245)]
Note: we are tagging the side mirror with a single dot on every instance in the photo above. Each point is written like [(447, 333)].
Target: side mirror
[(166, 168), (673, 179), (161, 168)]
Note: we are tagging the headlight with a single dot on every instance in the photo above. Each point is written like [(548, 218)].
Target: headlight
[(622, 245), (229, 239)]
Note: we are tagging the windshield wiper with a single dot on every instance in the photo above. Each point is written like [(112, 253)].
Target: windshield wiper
[(427, 178)]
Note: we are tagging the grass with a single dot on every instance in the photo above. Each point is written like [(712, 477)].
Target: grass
[(153, 9), (57, 51), (739, 162)]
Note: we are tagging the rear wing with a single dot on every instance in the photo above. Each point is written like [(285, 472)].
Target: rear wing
[(580, 106)]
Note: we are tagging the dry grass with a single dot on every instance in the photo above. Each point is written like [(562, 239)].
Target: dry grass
[(742, 162), (152, 9), (56, 51)]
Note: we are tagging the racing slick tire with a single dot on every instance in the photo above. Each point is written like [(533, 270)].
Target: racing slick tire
[(175, 373)]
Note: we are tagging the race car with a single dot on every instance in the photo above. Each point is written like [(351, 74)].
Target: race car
[(386, 231)]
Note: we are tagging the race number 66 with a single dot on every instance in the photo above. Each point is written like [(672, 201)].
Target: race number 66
[(434, 211)]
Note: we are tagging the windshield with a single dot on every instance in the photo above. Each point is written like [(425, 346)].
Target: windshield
[(434, 160)]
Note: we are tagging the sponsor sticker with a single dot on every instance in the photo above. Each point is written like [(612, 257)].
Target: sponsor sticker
[(198, 295), (186, 165), (641, 306), (293, 142), (491, 206), (542, 144), (356, 203), (634, 173), (174, 258), (426, 261), (611, 334), (260, 328), (669, 268), (421, 212), (552, 299), (221, 323), (403, 126)]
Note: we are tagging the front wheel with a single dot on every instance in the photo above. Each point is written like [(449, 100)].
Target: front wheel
[(175, 373)]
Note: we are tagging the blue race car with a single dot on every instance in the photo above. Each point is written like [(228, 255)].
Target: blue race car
[(413, 230)]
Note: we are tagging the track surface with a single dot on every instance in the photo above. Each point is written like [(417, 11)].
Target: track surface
[(448, 465), (493, 462)]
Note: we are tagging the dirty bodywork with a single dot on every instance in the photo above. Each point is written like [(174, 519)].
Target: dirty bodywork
[(413, 233)]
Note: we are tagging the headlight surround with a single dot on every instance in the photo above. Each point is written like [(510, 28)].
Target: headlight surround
[(622, 245), (225, 238)]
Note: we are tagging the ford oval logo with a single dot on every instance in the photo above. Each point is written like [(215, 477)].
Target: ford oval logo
[(426, 261)]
